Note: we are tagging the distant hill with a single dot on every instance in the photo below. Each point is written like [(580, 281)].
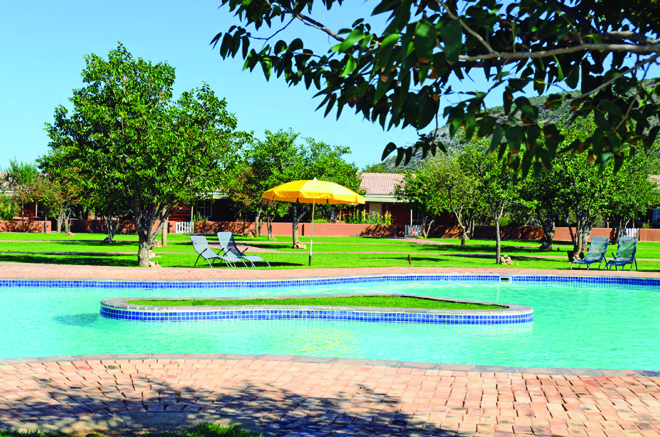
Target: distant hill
[(388, 166)]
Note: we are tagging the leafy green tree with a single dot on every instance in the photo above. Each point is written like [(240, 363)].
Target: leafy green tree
[(8, 208), (273, 161), (632, 193), (60, 189), (400, 74), (582, 195), (326, 162), (21, 178), (129, 141), (460, 188), (495, 181), (540, 195), (423, 192), (375, 168)]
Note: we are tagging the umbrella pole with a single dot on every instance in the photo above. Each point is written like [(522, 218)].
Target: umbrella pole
[(311, 239)]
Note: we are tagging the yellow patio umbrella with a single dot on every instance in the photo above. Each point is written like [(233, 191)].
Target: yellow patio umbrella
[(314, 191)]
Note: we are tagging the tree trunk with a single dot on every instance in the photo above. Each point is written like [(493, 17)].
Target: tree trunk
[(295, 219), (463, 234), (60, 220), (426, 225), (470, 225), (498, 259), (269, 226), (548, 234), (498, 243), (22, 210), (67, 222), (144, 241), (583, 228), (144, 223), (620, 225), (257, 224), (111, 227)]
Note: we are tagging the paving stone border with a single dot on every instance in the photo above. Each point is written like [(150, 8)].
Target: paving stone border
[(119, 308), (338, 360)]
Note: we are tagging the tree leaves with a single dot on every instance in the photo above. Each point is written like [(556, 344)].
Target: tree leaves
[(452, 36), (401, 72), (133, 148)]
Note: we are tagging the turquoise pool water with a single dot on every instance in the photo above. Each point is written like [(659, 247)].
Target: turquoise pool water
[(579, 326)]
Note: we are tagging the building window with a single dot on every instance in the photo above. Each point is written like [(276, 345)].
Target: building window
[(656, 216), (204, 208)]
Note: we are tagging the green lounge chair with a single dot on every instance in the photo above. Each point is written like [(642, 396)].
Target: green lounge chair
[(204, 251), (625, 253), (597, 250), (231, 250)]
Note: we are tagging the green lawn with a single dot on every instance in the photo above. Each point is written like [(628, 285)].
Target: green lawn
[(88, 249), (354, 301)]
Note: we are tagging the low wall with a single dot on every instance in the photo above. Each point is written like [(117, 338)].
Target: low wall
[(24, 226), (97, 226), (324, 230), (304, 229)]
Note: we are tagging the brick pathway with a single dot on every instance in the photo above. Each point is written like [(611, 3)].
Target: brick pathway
[(295, 396), (52, 271), (306, 396)]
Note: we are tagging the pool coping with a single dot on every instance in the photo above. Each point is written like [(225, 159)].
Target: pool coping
[(337, 360), (119, 308), (335, 279)]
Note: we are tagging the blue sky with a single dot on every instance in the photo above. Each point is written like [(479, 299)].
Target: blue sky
[(44, 43)]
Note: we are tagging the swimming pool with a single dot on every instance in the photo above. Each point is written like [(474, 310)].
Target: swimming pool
[(577, 324)]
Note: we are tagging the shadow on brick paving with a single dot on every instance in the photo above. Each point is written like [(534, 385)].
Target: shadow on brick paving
[(153, 404)]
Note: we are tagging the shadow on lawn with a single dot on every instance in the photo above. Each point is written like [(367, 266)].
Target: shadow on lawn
[(78, 260), (488, 248), (160, 402)]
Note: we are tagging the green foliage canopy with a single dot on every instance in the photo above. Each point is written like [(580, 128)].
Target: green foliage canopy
[(129, 142), (599, 53)]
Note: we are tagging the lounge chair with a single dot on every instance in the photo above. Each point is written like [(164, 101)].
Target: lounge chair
[(229, 247), (625, 253), (597, 250), (204, 251)]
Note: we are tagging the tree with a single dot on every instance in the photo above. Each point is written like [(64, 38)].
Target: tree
[(633, 192), (55, 198), (375, 168), (8, 208), (136, 147), (540, 195), (20, 178), (423, 193), (600, 52), (496, 183), (324, 162), (460, 189), (273, 161)]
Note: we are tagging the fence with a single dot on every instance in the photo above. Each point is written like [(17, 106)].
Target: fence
[(185, 228), (413, 231), (631, 232)]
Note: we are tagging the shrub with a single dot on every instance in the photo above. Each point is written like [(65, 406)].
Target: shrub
[(8, 208)]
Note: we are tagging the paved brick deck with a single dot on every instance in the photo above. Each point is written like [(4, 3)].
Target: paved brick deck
[(298, 396), (51, 271), (286, 396)]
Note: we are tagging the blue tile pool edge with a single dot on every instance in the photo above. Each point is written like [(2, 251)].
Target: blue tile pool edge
[(119, 308), (330, 281)]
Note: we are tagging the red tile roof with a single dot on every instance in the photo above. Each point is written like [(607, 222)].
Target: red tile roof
[(380, 183)]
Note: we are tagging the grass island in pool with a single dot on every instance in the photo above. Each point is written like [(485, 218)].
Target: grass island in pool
[(363, 308), (343, 301)]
